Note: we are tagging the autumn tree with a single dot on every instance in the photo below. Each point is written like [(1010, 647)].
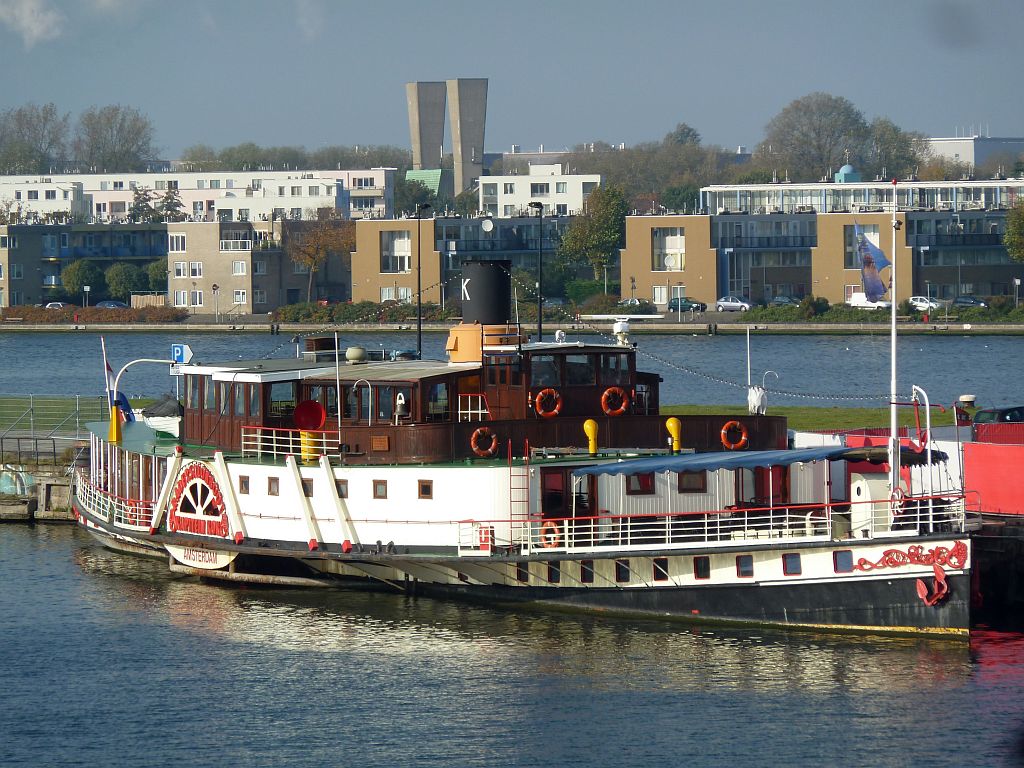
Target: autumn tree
[(114, 138), (595, 236), (813, 134), (32, 138), (1013, 238), (125, 279), (311, 243), (893, 152), (683, 134), (80, 273)]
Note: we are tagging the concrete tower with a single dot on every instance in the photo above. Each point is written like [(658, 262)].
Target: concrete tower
[(426, 103), (467, 110)]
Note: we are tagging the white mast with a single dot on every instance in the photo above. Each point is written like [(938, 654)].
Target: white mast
[(894, 439)]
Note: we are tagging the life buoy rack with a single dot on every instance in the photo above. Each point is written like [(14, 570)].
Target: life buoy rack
[(611, 395), (478, 442), (550, 534), (541, 401), (728, 442)]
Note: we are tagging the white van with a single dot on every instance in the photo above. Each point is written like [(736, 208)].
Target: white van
[(860, 301)]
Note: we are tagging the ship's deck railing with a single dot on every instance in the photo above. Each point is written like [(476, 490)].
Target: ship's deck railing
[(276, 443), (729, 527), (131, 514)]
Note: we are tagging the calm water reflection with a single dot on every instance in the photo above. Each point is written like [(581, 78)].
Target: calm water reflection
[(111, 660), (839, 367)]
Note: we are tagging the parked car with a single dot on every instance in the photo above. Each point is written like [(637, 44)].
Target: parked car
[(999, 415), (59, 305), (732, 304), (629, 303), (860, 301), (784, 301), (683, 304), (968, 301), (111, 304), (923, 303)]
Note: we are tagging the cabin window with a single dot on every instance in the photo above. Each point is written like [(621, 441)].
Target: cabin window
[(702, 567), (273, 486), (745, 566), (341, 487), (614, 370), (404, 394), (225, 398), (791, 564), (282, 398), (380, 489), (842, 559), (307, 487), (350, 401), (239, 399), (580, 371), (640, 485), (544, 371), (661, 569), (586, 571), (331, 406), (426, 489), (385, 402), (192, 392), (622, 570), (254, 400), (243, 484), (554, 572), (210, 401), (522, 572), (437, 402), (693, 482)]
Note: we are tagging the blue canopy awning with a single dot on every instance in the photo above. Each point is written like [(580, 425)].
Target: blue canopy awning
[(697, 462)]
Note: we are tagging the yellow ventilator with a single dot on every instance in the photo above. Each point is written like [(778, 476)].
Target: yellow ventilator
[(590, 429), (675, 430), (114, 430)]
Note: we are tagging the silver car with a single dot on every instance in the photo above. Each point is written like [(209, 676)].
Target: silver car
[(732, 304)]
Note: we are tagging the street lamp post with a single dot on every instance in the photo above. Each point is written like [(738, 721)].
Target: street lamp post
[(85, 295), (216, 302), (420, 208), (539, 207)]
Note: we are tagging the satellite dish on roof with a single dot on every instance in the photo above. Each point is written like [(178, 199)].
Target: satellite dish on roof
[(486, 225)]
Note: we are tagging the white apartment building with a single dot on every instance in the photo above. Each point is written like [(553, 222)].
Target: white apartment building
[(211, 196), (562, 194), (43, 200)]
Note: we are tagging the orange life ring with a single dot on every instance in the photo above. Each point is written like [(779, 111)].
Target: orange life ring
[(550, 534), (482, 434), (734, 445), (606, 401), (547, 394)]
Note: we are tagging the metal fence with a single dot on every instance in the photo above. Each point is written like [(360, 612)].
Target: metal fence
[(36, 428)]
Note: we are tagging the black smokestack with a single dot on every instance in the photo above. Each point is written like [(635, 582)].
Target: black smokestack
[(486, 292)]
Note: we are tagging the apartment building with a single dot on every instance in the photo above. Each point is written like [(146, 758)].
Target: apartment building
[(768, 240), (387, 253), (227, 268), (210, 196), (561, 194)]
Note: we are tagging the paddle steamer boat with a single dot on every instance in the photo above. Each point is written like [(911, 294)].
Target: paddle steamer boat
[(519, 471)]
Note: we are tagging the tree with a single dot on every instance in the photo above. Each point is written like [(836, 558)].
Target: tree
[(893, 152), (409, 194), (156, 273), (684, 198), (1013, 239), (81, 273), (114, 138), (683, 134), (310, 243), (595, 236), (171, 208), (125, 279), (32, 138), (812, 135), (201, 157), (142, 209), (467, 202)]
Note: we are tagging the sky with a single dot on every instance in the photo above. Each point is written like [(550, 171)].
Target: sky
[(326, 72)]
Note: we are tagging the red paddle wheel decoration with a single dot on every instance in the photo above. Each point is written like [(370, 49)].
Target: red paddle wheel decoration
[(954, 558), (197, 505)]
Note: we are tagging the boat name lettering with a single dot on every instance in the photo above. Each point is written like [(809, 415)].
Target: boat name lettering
[(199, 555), (955, 557)]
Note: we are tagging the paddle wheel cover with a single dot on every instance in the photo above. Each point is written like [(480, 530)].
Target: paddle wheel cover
[(197, 505)]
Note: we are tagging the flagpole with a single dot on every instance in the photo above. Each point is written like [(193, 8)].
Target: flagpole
[(894, 439)]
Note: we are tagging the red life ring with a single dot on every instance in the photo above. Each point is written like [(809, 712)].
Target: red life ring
[(734, 445), (550, 534), (607, 397), (542, 397), (482, 434)]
